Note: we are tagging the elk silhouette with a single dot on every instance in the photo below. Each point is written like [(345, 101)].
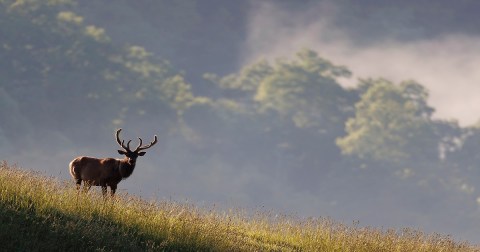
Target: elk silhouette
[(107, 171)]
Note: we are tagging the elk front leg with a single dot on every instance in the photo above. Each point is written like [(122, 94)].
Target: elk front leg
[(86, 186), (113, 188)]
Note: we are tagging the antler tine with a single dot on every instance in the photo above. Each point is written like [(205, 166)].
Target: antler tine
[(128, 145), (121, 143), (139, 145), (149, 145)]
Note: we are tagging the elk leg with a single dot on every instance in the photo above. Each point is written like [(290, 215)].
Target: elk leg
[(104, 190), (113, 188), (78, 182), (86, 186)]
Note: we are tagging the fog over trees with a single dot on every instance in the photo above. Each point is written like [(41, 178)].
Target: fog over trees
[(244, 118)]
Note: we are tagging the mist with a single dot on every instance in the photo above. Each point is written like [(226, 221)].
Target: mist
[(446, 64)]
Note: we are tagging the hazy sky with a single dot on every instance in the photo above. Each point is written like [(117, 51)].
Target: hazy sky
[(446, 65)]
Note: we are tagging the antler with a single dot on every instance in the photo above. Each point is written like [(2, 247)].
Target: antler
[(140, 147), (121, 143)]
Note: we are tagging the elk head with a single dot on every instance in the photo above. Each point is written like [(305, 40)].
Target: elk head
[(133, 155)]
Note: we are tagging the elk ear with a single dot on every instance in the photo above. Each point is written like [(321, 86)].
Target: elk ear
[(121, 152), (141, 153)]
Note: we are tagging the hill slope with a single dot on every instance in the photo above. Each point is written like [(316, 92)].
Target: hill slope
[(40, 213)]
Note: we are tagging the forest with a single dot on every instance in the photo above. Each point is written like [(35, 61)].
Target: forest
[(281, 133)]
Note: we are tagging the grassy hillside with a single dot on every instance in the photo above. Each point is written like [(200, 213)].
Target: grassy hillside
[(40, 213)]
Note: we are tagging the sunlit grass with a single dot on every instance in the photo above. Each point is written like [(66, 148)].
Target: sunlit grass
[(40, 213)]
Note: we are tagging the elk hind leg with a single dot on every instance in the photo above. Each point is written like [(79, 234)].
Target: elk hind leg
[(78, 182)]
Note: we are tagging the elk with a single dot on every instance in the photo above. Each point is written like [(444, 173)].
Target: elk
[(107, 171)]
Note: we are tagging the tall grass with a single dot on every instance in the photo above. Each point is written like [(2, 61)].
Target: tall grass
[(41, 213)]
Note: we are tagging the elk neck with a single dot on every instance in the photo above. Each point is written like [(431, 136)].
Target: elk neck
[(126, 167)]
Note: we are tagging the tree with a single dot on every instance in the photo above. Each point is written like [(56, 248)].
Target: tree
[(391, 124), (306, 92), (293, 109)]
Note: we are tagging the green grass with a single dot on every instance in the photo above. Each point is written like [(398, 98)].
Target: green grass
[(38, 213)]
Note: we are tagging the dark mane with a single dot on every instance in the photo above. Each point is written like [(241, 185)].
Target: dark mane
[(126, 169)]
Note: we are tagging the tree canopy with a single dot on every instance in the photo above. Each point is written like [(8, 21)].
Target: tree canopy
[(392, 123)]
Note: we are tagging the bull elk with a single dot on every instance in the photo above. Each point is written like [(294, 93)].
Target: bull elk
[(107, 171)]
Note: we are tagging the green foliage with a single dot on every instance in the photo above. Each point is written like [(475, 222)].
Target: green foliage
[(291, 106), (303, 90), (392, 123), (246, 82)]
